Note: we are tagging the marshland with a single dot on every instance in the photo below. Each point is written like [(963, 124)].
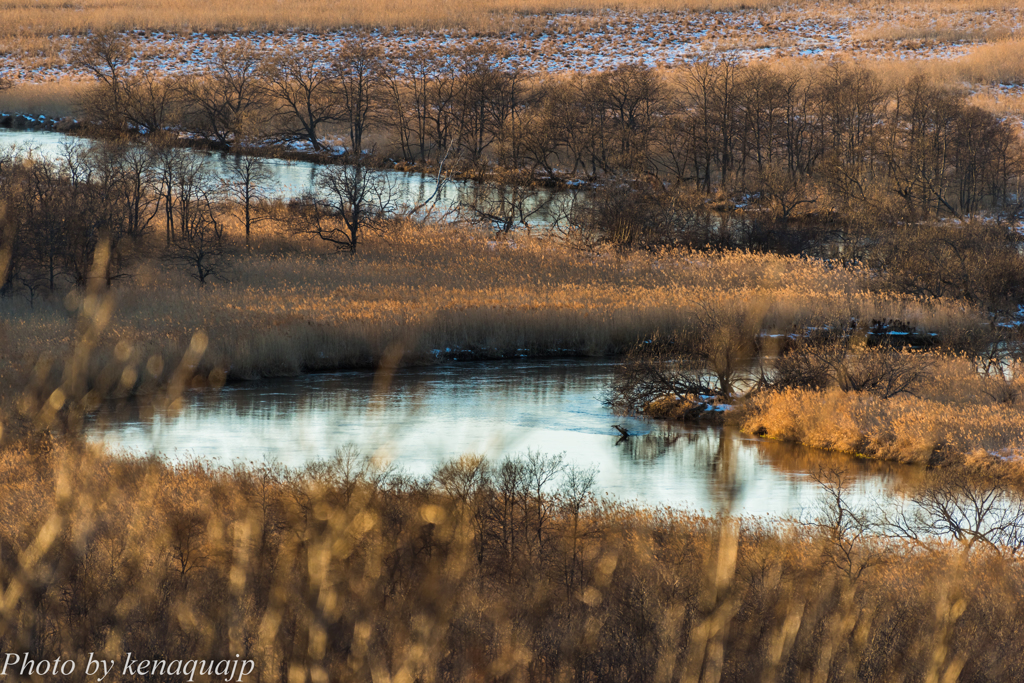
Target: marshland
[(514, 341)]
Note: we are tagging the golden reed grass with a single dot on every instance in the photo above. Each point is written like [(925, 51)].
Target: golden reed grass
[(420, 293), (51, 17), (956, 416), (345, 572)]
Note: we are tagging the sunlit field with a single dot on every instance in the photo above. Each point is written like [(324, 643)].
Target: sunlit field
[(429, 292), (53, 17)]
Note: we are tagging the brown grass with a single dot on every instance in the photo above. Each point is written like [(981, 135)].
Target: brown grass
[(956, 417), (421, 290), (56, 100), (346, 572), (49, 17)]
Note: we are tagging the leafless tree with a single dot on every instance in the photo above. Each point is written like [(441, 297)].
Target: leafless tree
[(974, 513), (346, 200), (151, 103), (302, 85), (576, 494), (127, 184), (105, 55), (198, 244), (247, 183), (360, 74), (228, 100), (716, 356), (848, 534)]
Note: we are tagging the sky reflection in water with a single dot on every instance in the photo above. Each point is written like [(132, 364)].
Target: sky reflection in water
[(424, 416)]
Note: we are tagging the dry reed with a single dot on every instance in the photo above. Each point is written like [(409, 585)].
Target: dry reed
[(958, 416), (428, 292), (347, 572)]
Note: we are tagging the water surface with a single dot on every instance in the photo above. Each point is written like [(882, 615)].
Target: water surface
[(421, 417), (292, 179)]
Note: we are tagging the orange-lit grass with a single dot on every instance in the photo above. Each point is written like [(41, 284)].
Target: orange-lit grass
[(338, 572), (424, 292), (55, 17), (956, 416)]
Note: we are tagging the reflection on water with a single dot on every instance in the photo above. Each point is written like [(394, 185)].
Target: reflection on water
[(291, 179), (424, 416)]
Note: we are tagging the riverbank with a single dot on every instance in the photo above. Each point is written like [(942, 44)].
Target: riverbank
[(423, 294), (977, 428)]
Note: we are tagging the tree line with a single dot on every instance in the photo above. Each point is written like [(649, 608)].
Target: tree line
[(787, 138), (831, 161)]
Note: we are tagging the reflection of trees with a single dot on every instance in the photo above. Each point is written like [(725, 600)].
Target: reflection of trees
[(714, 451), (651, 447)]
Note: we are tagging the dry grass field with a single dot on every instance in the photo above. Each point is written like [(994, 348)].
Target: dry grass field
[(53, 17), (35, 40), (346, 572), (421, 290)]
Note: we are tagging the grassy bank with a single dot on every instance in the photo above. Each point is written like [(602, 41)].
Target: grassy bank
[(957, 417), (421, 294), (348, 572)]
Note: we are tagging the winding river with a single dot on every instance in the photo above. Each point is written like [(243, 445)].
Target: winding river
[(291, 179)]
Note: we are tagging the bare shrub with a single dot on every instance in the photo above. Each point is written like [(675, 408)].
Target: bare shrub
[(985, 515), (716, 356), (641, 214), (849, 535), (881, 370)]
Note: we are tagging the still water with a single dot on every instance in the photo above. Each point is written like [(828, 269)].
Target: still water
[(291, 179), (418, 418)]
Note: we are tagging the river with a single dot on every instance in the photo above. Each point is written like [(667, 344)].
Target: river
[(423, 416), (291, 179)]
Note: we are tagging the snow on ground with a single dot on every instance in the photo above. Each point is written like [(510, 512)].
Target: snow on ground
[(565, 41)]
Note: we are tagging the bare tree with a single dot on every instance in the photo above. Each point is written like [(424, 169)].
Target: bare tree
[(346, 200), (127, 184), (359, 81), (151, 103), (247, 183), (986, 514), (715, 356), (576, 494), (884, 370), (105, 55), (302, 84), (847, 533), (229, 99), (199, 244), (407, 102)]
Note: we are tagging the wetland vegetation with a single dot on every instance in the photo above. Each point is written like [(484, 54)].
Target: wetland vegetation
[(820, 250)]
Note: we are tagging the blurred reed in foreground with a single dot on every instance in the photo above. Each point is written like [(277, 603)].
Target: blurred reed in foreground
[(351, 571)]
